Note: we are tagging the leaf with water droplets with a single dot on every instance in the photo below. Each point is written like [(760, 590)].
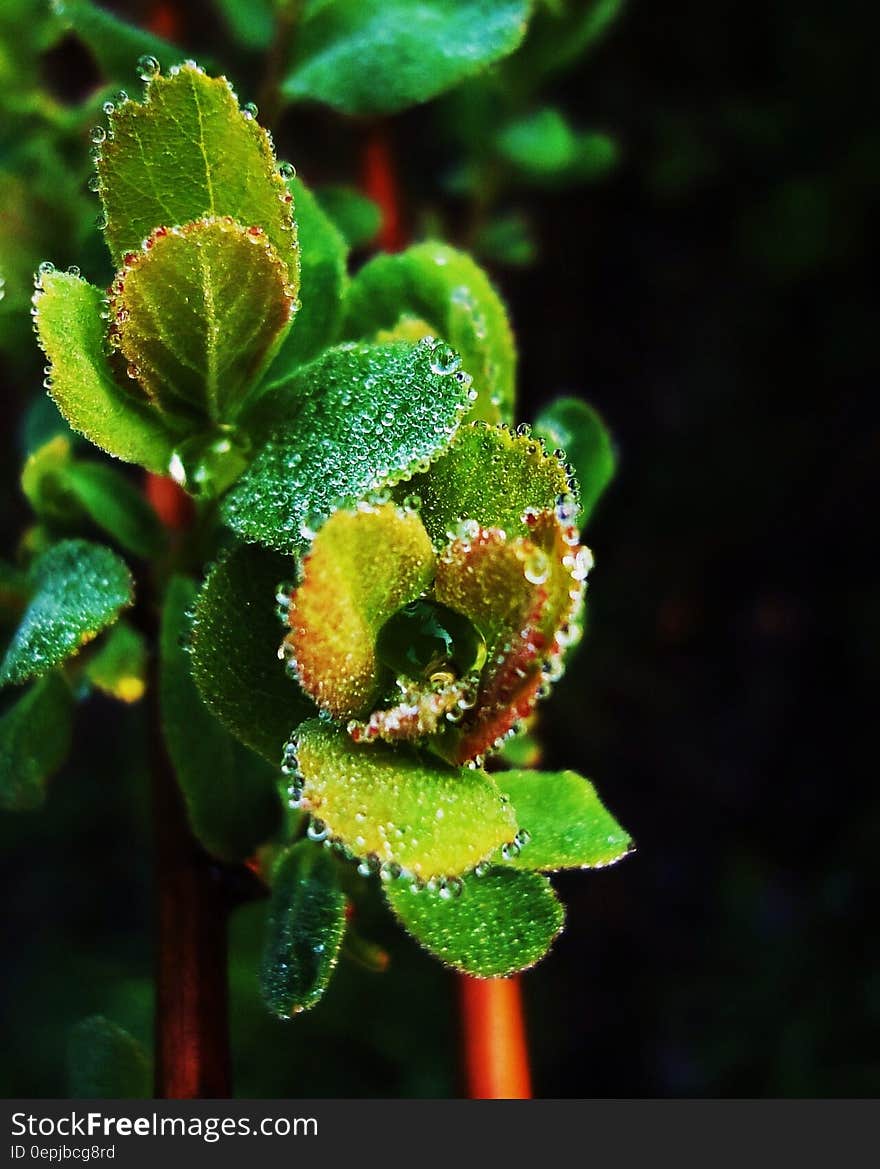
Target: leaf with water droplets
[(105, 1062), (235, 639), (398, 807), (78, 589), (566, 826), (186, 152), (199, 314), (445, 289), (497, 924), (119, 667), (230, 793), (491, 476), (114, 43), (71, 333), (322, 282), (304, 931), (363, 566), (358, 417), (576, 428), (34, 741), (417, 50)]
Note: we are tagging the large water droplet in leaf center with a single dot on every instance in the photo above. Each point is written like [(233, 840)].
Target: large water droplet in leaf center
[(425, 638)]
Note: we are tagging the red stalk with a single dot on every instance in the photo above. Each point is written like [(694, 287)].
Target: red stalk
[(496, 1053)]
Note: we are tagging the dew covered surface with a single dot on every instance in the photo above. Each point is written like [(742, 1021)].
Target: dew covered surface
[(78, 589), (724, 698)]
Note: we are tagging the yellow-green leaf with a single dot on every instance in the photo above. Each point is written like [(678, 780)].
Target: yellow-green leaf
[(119, 667), (71, 333), (199, 314), (363, 566), (399, 808)]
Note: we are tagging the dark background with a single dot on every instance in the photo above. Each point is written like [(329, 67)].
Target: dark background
[(714, 299)]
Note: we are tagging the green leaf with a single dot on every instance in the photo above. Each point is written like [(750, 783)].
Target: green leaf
[(199, 314), (34, 742), (304, 930), (540, 143), (189, 152), (119, 667), (507, 239), (236, 634), (71, 333), (567, 825), (498, 924), (491, 476), (449, 292), (379, 56), (78, 589), (114, 504), (323, 279), (544, 146), (63, 491), (356, 217), (251, 22), (356, 419), (230, 793), (116, 45), (105, 1062), (571, 425), (398, 807), (362, 567)]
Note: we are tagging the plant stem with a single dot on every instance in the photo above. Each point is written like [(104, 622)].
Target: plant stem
[(192, 907), (495, 1047), (379, 180)]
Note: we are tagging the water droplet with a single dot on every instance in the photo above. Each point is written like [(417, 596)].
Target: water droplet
[(121, 98), (147, 67), (510, 850), (249, 109), (94, 183), (317, 830), (450, 888), (444, 359), (108, 107), (46, 268), (536, 567), (522, 837), (97, 134), (287, 170)]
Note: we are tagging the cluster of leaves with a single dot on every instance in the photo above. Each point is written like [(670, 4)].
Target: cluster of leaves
[(349, 442)]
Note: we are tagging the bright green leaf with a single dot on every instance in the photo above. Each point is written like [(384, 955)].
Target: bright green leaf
[(540, 143), (185, 153), (362, 567), (379, 56), (356, 216), (71, 334), (199, 314), (573, 426), (357, 418), (322, 284), (444, 288), (116, 45), (399, 807), (105, 1062), (567, 824), (236, 634), (78, 589), (230, 793), (498, 924), (119, 667), (304, 930), (491, 476), (34, 742), (41, 481)]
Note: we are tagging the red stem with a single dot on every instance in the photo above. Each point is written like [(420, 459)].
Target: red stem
[(192, 906), (380, 184), (496, 1053)]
